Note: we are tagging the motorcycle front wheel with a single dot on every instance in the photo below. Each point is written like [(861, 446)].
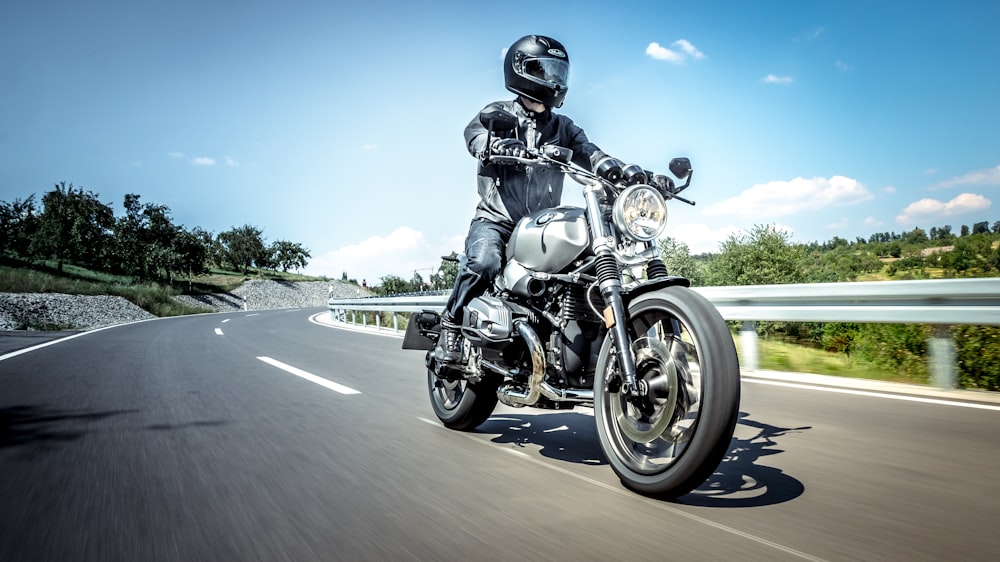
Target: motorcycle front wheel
[(670, 440), (459, 404)]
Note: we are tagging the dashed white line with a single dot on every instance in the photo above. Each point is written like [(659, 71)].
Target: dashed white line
[(218, 331), (309, 376), (226, 320)]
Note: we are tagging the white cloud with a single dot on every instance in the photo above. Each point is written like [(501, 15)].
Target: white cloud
[(889, 189), (231, 162), (659, 52), (203, 161), (368, 147), (400, 253), (175, 155), (933, 209), (689, 49), (989, 176), (680, 50), (774, 79), (872, 221), (784, 198), (842, 223)]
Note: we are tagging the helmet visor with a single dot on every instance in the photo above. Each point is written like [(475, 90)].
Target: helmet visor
[(548, 71)]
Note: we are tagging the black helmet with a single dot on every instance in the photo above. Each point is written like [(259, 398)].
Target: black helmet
[(537, 68)]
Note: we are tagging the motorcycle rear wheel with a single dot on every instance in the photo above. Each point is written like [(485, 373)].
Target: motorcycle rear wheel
[(669, 442), (459, 404)]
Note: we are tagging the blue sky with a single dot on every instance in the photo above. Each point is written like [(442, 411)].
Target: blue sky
[(339, 125)]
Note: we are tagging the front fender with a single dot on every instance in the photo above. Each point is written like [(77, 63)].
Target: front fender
[(653, 285)]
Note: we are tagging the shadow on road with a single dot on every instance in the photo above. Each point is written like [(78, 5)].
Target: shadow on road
[(565, 436), (739, 481), (42, 428)]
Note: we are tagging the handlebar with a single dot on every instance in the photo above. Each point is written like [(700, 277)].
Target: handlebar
[(580, 175)]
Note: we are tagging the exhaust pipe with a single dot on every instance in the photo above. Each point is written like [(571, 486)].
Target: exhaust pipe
[(536, 385)]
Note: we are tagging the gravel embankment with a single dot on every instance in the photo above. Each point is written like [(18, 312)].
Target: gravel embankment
[(270, 295), (76, 312), (65, 312)]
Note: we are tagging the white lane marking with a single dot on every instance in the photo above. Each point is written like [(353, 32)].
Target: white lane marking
[(310, 377), (226, 320), (13, 354), (218, 331), (254, 314), (868, 393), (634, 496)]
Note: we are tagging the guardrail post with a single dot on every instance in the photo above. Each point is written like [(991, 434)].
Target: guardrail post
[(378, 320), (354, 317), (748, 344), (941, 351), (395, 322)]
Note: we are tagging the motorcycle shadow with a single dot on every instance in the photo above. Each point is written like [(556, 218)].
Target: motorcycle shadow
[(739, 481), (567, 436)]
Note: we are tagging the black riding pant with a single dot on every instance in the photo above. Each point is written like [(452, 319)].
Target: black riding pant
[(484, 251)]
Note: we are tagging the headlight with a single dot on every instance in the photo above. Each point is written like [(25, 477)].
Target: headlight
[(640, 213)]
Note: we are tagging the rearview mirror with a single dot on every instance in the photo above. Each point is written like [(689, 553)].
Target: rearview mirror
[(680, 167), (498, 120)]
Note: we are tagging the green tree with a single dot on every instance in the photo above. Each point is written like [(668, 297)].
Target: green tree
[(18, 224), (762, 257), (243, 248), (393, 285), (73, 226), (677, 258), (290, 255), (444, 278)]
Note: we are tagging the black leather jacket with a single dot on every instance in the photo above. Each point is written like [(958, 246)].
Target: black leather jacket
[(506, 192)]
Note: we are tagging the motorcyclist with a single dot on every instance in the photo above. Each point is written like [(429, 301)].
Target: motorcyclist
[(536, 69)]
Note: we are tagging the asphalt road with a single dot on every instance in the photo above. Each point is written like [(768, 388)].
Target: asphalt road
[(192, 439)]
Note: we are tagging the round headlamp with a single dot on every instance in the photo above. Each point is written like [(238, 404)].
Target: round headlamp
[(640, 213)]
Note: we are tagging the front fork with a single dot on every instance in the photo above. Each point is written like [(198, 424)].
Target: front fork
[(609, 278)]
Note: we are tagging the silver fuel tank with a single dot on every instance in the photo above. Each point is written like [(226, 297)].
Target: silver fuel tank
[(545, 241)]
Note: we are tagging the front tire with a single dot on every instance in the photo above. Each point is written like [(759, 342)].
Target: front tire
[(670, 441), (459, 404)]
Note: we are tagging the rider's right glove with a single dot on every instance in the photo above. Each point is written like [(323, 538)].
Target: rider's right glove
[(509, 147)]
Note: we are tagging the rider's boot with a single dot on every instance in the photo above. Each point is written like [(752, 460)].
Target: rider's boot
[(449, 347)]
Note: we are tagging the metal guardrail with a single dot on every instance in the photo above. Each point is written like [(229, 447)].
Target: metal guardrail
[(944, 301), (938, 302)]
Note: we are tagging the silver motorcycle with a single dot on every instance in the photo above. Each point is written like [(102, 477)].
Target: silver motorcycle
[(584, 313)]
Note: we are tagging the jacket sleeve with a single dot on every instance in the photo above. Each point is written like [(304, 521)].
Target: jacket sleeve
[(585, 153), (475, 134)]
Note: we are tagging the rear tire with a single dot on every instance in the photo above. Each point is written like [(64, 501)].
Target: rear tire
[(669, 442), (459, 404)]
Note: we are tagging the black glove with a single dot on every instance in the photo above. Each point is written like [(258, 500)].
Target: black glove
[(509, 147), (607, 167), (661, 182)]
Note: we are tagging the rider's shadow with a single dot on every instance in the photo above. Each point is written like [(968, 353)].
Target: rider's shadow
[(740, 481), (566, 436)]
